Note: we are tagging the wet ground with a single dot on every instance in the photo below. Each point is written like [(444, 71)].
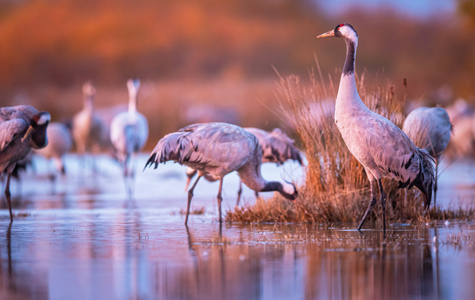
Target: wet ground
[(85, 239)]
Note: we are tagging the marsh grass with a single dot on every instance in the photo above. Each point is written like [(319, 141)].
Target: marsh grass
[(336, 188), (194, 211)]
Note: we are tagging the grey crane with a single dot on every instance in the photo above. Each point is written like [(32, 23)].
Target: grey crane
[(429, 128), (277, 147), (87, 128), (22, 128), (60, 143), (380, 146), (129, 131), (215, 150)]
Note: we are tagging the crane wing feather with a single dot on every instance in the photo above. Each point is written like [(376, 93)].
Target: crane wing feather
[(206, 146), (9, 130)]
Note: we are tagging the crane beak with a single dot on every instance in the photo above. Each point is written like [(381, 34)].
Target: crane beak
[(28, 133), (326, 34)]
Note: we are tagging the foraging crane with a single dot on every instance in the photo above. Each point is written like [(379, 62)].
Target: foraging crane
[(429, 129), (277, 147), (129, 130), (381, 147), (87, 127), (22, 128), (60, 143), (215, 150)]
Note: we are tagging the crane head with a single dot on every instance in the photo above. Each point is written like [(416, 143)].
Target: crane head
[(37, 130), (289, 190), (88, 89), (133, 85), (343, 30)]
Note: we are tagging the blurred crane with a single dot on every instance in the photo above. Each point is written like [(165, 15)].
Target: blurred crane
[(215, 150), (22, 128), (458, 110), (60, 143), (379, 145), (277, 147), (129, 132), (88, 129), (429, 129), (462, 140)]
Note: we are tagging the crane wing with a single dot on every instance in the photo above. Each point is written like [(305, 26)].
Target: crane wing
[(379, 144), (9, 130), (219, 146)]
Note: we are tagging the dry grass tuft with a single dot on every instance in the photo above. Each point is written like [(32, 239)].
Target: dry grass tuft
[(336, 186), (194, 211)]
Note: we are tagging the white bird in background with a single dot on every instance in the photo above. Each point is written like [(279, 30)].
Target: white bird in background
[(429, 129), (129, 131), (60, 143), (87, 127), (215, 150), (22, 128), (277, 147), (380, 146)]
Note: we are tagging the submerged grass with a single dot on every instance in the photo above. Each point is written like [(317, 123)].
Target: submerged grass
[(336, 187)]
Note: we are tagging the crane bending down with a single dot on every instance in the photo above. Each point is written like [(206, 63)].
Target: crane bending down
[(215, 150), (129, 131), (429, 129), (277, 147), (380, 146), (21, 128)]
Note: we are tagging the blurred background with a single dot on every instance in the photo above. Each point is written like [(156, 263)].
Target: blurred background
[(221, 57)]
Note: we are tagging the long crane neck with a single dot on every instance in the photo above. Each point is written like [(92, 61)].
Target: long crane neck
[(132, 102), (349, 67), (89, 102), (348, 98), (251, 176)]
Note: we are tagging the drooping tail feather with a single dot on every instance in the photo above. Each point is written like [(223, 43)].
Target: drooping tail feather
[(426, 177), (171, 147)]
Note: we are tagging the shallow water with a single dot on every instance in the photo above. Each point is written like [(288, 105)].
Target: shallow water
[(87, 240)]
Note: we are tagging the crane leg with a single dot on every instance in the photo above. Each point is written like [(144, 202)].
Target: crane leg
[(188, 180), (220, 199), (435, 183), (383, 204), (8, 195), (239, 193), (190, 195), (189, 176), (372, 202)]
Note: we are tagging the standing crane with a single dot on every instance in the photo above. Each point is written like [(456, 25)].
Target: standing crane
[(22, 128), (381, 147), (215, 150), (129, 132), (429, 129), (87, 127)]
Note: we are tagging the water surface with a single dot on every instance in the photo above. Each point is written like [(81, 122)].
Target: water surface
[(88, 240)]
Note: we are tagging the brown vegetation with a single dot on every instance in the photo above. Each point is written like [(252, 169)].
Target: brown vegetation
[(62, 43)]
